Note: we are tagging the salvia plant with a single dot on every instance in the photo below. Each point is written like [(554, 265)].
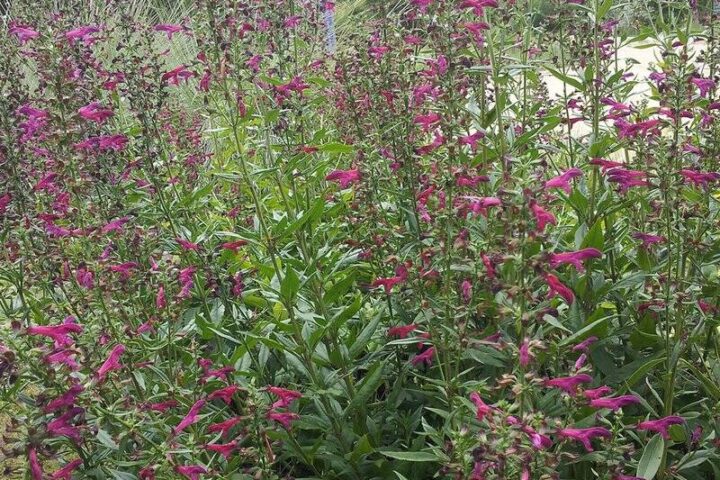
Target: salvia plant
[(453, 239)]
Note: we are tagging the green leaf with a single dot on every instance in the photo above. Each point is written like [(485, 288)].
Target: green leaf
[(412, 456), (367, 387), (105, 438), (651, 458), (336, 147), (565, 79), (594, 238), (290, 285)]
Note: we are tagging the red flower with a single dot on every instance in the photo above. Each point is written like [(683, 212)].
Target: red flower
[(563, 180), (224, 427), (192, 472), (225, 450), (190, 418), (225, 393)]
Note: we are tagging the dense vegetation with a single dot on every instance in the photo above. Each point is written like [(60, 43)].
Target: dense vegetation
[(446, 239)]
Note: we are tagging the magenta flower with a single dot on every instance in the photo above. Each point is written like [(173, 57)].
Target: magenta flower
[(584, 435), (557, 288), (23, 34), (388, 283), (60, 334), (177, 75), (585, 344), (542, 216), (478, 6), (425, 357), (123, 269), (61, 427), (36, 472), (285, 396), (615, 403), (188, 245), (605, 165), (225, 426), (482, 409), (479, 205), (427, 122), (191, 472), (95, 112), (627, 178), (114, 225), (401, 331), (525, 356), (65, 473), (704, 84), (661, 425), (344, 177), (65, 400), (538, 440), (190, 418), (160, 301), (471, 140), (569, 384), (466, 288), (103, 143), (283, 418), (225, 450), (112, 362), (563, 180), (82, 33), (648, 239), (574, 258), (699, 178), (170, 29), (161, 407), (225, 393)]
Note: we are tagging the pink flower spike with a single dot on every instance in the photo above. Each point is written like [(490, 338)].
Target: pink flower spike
[(557, 288), (574, 258), (563, 181), (661, 425), (225, 394), (615, 403), (401, 331), (36, 472), (569, 384), (584, 435), (170, 29), (425, 357), (190, 418), (225, 426), (225, 450), (648, 239), (285, 396), (585, 344), (482, 408), (188, 245), (95, 112), (23, 34), (283, 418), (704, 84), (525, 356), (542, 216), (65, 473), (344, 177), (191, 472), (112, 362)]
